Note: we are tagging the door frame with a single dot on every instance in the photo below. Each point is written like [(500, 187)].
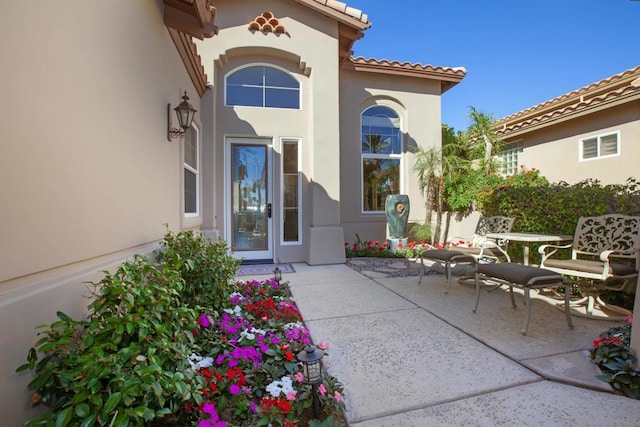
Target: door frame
[(258, 255)]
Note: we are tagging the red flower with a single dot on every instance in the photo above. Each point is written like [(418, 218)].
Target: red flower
[(289, 356), (206, 373), (400, 246)]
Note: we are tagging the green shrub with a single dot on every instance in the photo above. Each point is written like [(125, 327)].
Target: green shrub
[(615, 358), (127, 363), (206, 266)]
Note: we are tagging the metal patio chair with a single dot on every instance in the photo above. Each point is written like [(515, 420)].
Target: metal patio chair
[(605, 255)]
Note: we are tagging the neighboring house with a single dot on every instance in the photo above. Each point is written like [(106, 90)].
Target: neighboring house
[(293, 150), (592, 132)]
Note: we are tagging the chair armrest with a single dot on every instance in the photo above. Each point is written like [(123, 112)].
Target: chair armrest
[(554, 248), (605, 255)]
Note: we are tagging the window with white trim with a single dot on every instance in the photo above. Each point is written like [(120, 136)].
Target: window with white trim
[(381, 147), (509, 158), (262, 86), (291, 192), (191, 174), (600, 146)]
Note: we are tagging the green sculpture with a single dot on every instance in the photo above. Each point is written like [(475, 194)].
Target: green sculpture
[(397, 210)]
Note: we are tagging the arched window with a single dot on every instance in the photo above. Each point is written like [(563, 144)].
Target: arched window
[(381, 141), (262, 86)]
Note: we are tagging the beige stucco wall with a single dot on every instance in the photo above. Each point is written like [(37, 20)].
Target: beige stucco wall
[(316, 124), (554, 150), (87, 176), (417, 101)]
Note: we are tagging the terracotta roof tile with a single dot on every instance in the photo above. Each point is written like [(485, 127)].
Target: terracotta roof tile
[(448, 76), (616, 87), (344, 8)]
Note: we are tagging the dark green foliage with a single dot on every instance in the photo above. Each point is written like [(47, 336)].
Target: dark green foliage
[(126, 363), (614, 357), (554, 208), (206, 266)]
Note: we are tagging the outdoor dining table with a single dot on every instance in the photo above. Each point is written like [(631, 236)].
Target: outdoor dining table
[(527, 238)]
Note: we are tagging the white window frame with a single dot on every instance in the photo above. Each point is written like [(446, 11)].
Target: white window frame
[(263, 87), (296, 141), (185, 166), (510, 149), (598, 142), (389, 156)]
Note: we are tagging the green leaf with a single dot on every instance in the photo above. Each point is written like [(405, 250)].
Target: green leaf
[(82, 410), (112, 402), (64, 417), (89, 421)]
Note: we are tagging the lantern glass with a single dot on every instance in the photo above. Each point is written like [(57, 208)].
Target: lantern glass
[(185, 112), (311, 359), (277, 274), (312, 372)]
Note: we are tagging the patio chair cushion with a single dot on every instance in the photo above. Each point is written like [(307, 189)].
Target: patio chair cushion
[(487, 251), (519, 274), (589, 266), (448, 256)]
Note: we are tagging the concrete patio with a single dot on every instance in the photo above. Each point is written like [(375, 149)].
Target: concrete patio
[(411, 355)]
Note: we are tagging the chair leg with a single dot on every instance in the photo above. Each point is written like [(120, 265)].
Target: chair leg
[(527, 316), (567, 304), (513, 300), (477, 280), (421, 270), (447, 271)]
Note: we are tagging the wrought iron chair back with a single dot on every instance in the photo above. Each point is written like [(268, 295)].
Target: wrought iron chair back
[(605, 251)]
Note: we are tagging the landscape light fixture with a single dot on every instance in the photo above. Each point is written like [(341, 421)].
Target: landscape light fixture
[(185, 113), (311, 359), (277, 275)]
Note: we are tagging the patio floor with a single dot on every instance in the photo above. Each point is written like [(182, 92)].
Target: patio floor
[(411, 355)]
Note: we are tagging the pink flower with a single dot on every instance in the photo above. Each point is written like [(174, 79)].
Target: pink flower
[(291, 396), (337, 396), (628, 319), (203, 320), (322, 390), (234, 389), (299, 377), (323, 345)]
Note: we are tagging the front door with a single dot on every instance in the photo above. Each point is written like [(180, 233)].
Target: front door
[(249, 201)]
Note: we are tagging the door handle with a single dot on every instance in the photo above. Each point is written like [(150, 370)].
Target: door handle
[(269, 210)]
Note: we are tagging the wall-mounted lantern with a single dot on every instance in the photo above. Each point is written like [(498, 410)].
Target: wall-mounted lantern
[(185, 113)]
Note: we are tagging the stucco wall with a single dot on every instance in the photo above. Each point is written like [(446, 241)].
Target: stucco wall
[(87, 176), (554, 150), (316, 124), (417, 101)]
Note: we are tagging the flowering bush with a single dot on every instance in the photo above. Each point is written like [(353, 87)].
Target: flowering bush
[(248, 363), (615, 358), (377, 249), (148, 354)]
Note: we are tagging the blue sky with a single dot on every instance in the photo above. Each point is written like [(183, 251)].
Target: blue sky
[(517, 53)]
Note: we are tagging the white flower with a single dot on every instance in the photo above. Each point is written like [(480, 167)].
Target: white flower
[(200, 362), (285, 385), (293, 325), (236, 311)]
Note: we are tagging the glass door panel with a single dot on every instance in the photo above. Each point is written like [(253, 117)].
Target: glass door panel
[(250, 204)]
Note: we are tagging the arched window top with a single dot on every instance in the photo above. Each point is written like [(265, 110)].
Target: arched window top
[(381, 131), (262, 86)]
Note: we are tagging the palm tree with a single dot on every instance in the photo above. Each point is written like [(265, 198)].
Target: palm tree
[(481, 129)]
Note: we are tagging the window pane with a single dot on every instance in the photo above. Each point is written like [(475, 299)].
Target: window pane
[(282, 98), (381, 177), (277, 78), (247, 76), (590, 148), (291, 191), (190, 189), (609, 145), (381, 131), (290, 225), (191, 149), (243, 95), (290, 158)]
